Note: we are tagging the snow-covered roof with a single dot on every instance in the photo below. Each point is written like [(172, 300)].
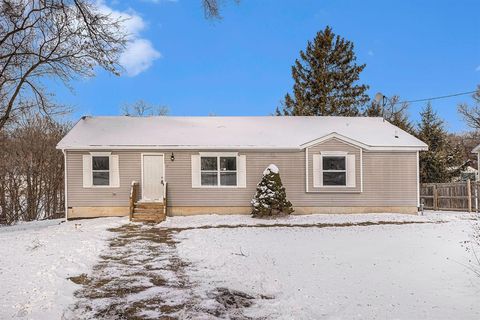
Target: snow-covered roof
[(260, 132), (476, 149)]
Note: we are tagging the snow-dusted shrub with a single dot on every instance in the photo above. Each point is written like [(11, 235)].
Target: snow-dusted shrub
[(271, 197)]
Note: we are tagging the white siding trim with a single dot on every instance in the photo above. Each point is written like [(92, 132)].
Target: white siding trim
[(361, 170), (195, 165), (350, 168), (218, 154), (114, 171), (306, 169), (87, 171), (317, 170), (418, 180), (242, 171), (66, 183), (100, 154)]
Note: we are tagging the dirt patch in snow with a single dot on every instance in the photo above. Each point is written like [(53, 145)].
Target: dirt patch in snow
[(140, 276), (305, 225)]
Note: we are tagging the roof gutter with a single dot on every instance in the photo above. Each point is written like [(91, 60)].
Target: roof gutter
[(190, 147)]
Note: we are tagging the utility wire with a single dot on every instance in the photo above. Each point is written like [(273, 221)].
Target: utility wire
[(436, 98)]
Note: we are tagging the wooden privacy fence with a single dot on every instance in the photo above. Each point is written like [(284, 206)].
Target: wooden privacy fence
[(456, 196)]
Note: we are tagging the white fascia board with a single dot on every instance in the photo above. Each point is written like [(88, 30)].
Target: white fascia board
[(170, 147), (153, 147), (334, 135), (358, 144)]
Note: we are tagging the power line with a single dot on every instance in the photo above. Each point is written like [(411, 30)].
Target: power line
[(439, 97)]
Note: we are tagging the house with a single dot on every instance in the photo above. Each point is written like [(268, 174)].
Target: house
[(476, 151), (465, 172), (213, 164)]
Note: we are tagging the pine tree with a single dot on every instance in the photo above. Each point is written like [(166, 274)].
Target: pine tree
[(441, 161), (326, 78), (271, 197)]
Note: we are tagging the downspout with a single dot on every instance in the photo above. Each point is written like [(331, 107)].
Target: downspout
[(418, 180), (65, 181)]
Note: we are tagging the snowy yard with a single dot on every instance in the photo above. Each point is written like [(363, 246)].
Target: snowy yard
[(36, 258), (302, 267)]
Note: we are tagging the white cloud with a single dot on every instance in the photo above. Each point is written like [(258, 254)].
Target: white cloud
[(139, 53), (138, 56)]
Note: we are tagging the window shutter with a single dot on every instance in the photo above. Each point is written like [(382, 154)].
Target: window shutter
[(195, 171), (87, 171), (242, 171), (351, 170), (114, 172), (317, 171)]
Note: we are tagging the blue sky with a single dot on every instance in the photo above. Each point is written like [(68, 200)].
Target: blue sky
[(241, 64)]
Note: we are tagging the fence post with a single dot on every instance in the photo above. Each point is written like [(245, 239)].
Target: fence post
[(469, 195), (435, 197)]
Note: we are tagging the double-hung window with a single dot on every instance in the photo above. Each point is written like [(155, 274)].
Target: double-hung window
[(100, 170), (334, 170), (218, 171)]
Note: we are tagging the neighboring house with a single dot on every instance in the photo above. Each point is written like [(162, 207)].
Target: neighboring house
[(213, 164), (465, 172), (476, 151)]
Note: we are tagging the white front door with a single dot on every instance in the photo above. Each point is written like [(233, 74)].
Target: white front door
[(152, 179)]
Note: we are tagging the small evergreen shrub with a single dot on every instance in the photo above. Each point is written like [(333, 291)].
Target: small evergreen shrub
[(271, 198)]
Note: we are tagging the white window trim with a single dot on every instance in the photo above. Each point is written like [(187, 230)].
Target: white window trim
[(218, 155), (334, 154), (101, 154)]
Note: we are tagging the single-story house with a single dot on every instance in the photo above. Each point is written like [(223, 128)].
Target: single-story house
[(213, 164)]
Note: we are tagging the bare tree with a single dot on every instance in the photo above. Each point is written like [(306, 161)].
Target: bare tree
[(471, 114), (141, 108), (212, 8), (32, 170), (60, 39), (395, 112)]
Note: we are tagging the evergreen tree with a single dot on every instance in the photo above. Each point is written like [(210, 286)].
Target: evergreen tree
[(442, 160), (271, 197), (326, 78), (394, 112)]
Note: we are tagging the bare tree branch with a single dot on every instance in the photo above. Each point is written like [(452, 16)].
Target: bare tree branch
[(65, 39), (471, 114)]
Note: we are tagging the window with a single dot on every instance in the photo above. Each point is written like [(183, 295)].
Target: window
[(334, 172), (218, 171), (100, 170)]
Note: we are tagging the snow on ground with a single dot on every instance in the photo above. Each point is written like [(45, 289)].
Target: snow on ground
[(36, 258), (410, 271), (317, 266)]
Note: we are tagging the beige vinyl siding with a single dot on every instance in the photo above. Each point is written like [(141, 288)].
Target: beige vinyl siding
[(334, 145), (78, 196), (389, 179)]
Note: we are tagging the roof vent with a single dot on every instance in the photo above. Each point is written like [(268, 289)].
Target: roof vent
[(396, 134)]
